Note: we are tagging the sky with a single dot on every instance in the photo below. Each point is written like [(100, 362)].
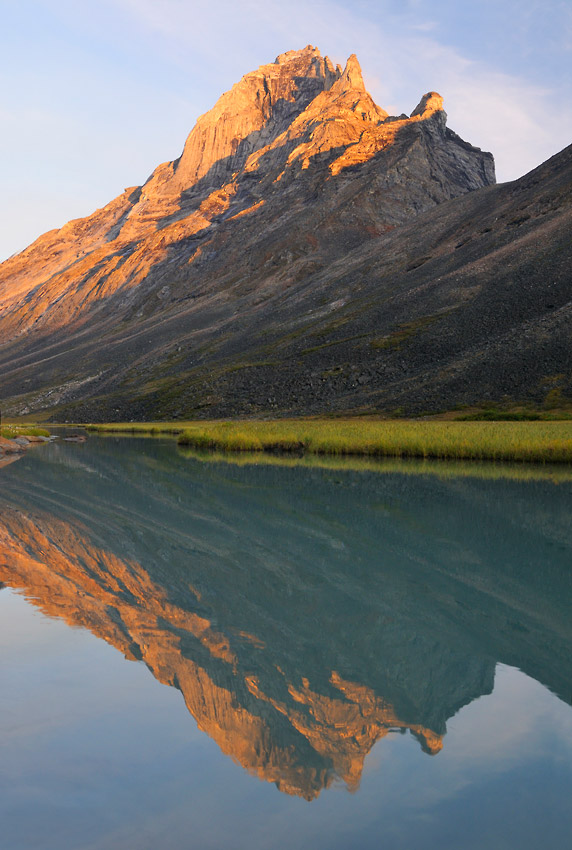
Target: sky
[(95, 93)]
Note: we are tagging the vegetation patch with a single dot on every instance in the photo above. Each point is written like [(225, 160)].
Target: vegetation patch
[(403, 332), (556, 409), (156, 429), (10, 432), (492, 414)]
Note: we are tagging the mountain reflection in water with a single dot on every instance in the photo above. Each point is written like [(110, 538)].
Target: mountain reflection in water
[(303, 613)]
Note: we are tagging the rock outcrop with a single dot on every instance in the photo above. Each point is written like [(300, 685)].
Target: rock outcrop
[(11, 446)]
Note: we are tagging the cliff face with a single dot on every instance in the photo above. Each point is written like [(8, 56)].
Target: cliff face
[(292, 170)]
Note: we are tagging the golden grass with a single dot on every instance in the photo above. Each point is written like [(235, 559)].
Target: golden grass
[(544, 442)]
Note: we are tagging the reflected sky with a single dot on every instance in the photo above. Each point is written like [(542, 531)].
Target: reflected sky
[(328, 630)]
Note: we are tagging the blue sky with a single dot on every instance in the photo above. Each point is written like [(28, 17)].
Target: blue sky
[(95, 93)]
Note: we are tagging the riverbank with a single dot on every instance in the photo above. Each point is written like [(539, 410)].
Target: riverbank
[(13, 431), (15, 439), (528, 442)]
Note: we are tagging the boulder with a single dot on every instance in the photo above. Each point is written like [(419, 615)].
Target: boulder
[(10, 446)]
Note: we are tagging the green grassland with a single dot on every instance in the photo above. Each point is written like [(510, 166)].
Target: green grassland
[(518, 441)]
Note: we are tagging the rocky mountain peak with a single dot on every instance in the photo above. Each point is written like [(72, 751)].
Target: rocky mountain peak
[(290, 55), (255, 110), (429, 104), (352, 76), (348, 92)]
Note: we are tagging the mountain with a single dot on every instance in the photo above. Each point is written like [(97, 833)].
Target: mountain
[(307, 252), (304, 614)]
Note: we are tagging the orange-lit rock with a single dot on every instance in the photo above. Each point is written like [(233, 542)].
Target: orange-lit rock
[(10, 446)]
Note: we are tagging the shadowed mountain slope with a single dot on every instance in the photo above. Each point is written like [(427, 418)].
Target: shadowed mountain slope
[(209, 288)]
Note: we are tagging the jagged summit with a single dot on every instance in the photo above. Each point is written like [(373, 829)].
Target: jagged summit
[(253, 113), (352, 76), (294, 55), (429, 104)]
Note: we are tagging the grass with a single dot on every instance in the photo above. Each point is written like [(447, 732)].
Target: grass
[(12, 431), (154, 428), (509, 441)]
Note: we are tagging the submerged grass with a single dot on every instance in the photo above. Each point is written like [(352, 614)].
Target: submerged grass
[(543, 441)]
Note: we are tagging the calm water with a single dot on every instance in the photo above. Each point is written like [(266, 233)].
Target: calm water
[(211, 655)]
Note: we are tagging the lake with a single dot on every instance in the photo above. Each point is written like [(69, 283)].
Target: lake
[(205, 654)]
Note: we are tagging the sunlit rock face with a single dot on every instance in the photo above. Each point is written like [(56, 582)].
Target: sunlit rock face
[(291, 170), (303, 614)]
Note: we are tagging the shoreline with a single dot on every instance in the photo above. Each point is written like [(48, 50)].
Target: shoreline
[(16, 440)]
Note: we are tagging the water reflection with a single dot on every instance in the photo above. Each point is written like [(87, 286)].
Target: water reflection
[(303, 613)]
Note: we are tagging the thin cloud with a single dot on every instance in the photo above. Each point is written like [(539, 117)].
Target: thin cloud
[(427, 26), (517, 121)]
